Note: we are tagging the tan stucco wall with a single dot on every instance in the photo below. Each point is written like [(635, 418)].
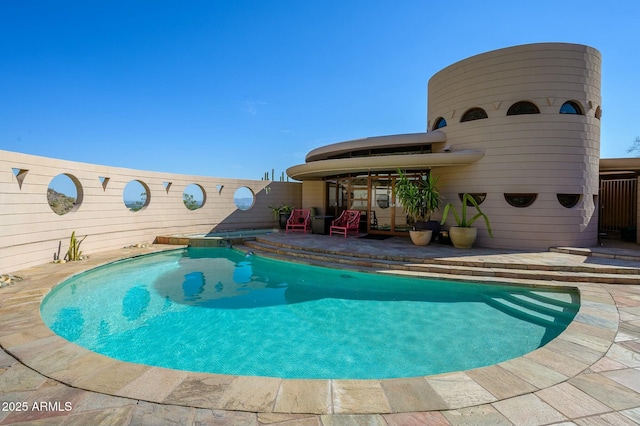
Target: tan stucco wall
[(546, 153), (314, 195), (30, 231)]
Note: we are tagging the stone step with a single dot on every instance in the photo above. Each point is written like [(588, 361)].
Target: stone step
[(451, 269), (587, 268)]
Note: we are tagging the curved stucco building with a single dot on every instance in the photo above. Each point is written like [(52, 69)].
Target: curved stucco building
[(518, 128)]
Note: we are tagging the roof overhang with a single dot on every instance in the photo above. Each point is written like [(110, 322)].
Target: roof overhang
[(323, 168), (408, 139), (631, 165)]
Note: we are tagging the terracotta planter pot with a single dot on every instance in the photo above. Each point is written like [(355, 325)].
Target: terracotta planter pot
[(420, 238), (463, 237)]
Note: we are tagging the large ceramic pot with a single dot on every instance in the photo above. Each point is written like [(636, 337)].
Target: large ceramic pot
[(463, 237), (284, 217), (420, 238)]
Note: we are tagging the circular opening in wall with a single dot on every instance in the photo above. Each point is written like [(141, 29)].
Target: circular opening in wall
[(136, 195), (569, 200), (64, 194), (193, 196), (477, 197), (243, 198), (520, 200)]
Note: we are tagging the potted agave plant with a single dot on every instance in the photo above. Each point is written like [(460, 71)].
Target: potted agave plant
[(282, 213), (419, 198), (463, 235)]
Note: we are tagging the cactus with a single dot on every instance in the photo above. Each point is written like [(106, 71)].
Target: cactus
[(74, 252)]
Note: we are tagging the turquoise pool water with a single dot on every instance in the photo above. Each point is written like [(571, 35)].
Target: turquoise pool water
[(217, 310)]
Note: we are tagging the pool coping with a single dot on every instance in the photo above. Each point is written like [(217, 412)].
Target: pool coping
[(24, 336)]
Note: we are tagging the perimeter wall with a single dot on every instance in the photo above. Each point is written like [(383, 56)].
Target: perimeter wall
[(30, 232)]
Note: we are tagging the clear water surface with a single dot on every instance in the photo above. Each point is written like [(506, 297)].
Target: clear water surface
[(217, 310)]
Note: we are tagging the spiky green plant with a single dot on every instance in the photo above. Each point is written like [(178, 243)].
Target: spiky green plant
[(461, 220), (419, 197), (74, 253)]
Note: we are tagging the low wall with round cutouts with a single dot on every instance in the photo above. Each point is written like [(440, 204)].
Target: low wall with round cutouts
[(32, 233)]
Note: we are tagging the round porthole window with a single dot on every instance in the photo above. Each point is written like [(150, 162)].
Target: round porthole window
[(64, 194), (569, 200), (520, 200), (243, 198), (136, 195), (193, 196)]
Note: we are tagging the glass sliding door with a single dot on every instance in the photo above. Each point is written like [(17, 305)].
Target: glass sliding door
[(374, 196), (381, 204)]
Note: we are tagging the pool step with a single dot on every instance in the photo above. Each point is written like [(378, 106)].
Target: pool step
[(528, 306), (451, 268)]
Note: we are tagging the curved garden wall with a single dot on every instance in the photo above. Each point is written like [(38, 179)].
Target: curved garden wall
[(30, 231)]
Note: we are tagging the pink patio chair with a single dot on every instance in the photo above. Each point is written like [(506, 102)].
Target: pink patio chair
[(300, 220), (348, 221)]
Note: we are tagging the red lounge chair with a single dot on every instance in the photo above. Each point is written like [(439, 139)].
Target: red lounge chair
[(349, 221), (300, 220)]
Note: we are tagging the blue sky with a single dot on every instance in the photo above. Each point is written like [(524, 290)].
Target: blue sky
[(238, 88)]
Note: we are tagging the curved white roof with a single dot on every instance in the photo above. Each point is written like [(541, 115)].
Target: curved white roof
[(390, 141), (322, 168)]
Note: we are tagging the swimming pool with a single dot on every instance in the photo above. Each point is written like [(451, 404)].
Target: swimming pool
[(216, 310)]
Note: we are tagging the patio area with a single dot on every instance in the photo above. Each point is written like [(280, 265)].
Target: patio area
[(590, 374)]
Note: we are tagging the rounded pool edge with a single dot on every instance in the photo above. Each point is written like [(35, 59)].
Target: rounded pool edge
[(591, 332)]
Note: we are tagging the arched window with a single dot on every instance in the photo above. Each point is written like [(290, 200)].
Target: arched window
[(479, 197), (520, 200), (571, 107), (523, 107), (569, 200), (440, 123), (473, 114)]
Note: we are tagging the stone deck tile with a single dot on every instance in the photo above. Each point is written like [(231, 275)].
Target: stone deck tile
[(613, 419), (200, 390), (82, 367), (571, 401), (528, 410), (412, 394), (607, 391), (624, 356), (633, 414), (629, 377), (55, 358), (458, 390), (478, 415), (434, 418), (246, 393), (359, 396), (112, 378), (20, 378), (592, 330), (500, 382), (154, 384), (288, 419), (353, 420), (304, 396), (606, 364), (558, 362), (588, 341), (575, 351), (536, 374)]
